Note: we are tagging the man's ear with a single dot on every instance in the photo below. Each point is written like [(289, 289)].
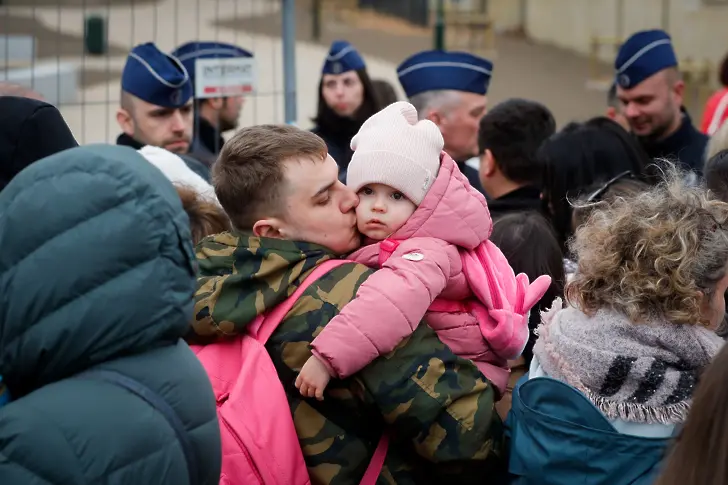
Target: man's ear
[(611, 112), (678, 90), (126, 123), (272, 228), (488, 164), (434, 116)]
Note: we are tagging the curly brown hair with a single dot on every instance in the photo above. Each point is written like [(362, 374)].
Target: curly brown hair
[(655, 255)]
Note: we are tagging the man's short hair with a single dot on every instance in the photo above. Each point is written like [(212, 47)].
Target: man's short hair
[(442, 101), (513, 131), (248, 175), (126, 101)]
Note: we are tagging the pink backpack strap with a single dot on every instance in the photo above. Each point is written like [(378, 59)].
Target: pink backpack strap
[(375, 466), (264, 325)]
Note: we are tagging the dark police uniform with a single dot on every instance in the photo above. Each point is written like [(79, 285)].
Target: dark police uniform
[(207, 139), (643, 55), (335, 130), (441, 70), (162, 80)]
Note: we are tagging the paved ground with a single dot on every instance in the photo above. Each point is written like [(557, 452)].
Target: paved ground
[(522, 69)]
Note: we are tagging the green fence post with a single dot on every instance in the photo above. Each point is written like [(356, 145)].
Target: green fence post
[(440, 25), (95, 35), (316, 19)]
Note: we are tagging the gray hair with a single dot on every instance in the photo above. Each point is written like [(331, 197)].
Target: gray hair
[(442, 101)]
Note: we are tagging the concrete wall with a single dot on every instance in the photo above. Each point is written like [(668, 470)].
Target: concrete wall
[(699, 30)]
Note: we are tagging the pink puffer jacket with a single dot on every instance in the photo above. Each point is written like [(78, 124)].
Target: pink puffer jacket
[(420, 263)]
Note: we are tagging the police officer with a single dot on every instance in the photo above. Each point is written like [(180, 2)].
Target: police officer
[(215, 115), (156, 104), (651, 91), (450, 88), (346, 99)]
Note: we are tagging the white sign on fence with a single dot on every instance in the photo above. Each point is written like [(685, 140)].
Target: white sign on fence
[(225, 77)]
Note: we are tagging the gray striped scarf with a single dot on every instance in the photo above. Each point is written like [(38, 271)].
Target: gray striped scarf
[(641, 373)]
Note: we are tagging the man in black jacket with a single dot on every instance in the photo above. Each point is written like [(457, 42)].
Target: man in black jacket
[(508, 139), (29, 130), (217, 112), (650, 91), (449, 89), (156, 104)]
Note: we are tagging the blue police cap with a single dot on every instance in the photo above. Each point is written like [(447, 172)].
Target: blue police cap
[(191, 51), (642, 55), (343, 57), (437, 70), (156, 77)]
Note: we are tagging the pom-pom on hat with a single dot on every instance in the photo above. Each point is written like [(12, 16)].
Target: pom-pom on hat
[(395, 149)]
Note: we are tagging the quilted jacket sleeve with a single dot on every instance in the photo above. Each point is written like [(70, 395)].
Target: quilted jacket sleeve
[(387, 308)]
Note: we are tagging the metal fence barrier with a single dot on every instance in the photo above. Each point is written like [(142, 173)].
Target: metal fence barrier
[(415, 11), (73, 51)]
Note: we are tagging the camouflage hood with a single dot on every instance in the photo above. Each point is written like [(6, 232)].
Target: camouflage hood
[(241, 276)]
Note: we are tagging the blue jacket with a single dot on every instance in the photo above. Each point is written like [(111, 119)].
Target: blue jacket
[(559, 437), (97, 274)]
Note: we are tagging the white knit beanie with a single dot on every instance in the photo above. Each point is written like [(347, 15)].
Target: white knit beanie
[(177, 171), (394, 149)]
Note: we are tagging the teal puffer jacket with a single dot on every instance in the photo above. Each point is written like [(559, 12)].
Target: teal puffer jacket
[(97, 273)]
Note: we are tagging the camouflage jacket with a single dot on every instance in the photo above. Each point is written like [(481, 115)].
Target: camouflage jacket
[(437, 406)]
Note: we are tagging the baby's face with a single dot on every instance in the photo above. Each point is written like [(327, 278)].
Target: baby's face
[(382, 210)]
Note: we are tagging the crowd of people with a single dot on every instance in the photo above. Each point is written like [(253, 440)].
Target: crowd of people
[(430, 290)]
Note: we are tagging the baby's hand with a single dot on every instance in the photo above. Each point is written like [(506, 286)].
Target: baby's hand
[(313, 379)]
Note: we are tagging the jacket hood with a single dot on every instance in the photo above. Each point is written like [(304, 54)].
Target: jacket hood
[(96, 263), (242, 276), (452, 210), (558, 436), (29, 130)]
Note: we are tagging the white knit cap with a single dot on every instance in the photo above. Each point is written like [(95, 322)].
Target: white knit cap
[(394, 149), (177, 171)]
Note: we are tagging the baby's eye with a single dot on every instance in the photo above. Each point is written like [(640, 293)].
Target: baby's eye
[(366, 191), (398, 196)]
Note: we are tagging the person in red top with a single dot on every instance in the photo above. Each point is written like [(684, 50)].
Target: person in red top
[(716, 109)]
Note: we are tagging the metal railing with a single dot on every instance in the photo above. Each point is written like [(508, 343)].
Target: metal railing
[(72, 52), (414, 11)]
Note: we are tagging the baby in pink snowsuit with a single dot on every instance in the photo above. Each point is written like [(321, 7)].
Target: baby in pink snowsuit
[(427, 230)]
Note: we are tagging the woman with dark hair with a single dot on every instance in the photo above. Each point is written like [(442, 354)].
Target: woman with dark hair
[(385, 92), (529, 244), (716, 109), (580, 156), (624, 185), (346, 99)]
